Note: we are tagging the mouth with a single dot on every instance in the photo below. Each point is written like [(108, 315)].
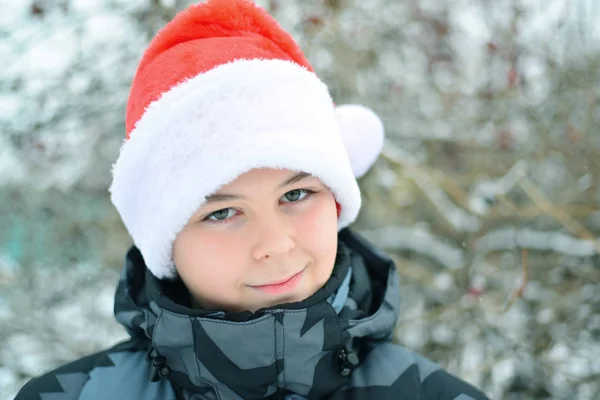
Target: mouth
[(281, 286)]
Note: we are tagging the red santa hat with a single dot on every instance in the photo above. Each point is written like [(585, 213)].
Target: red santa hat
[(223, 89)]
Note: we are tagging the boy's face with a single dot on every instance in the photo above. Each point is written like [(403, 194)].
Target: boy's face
[(267, 238)]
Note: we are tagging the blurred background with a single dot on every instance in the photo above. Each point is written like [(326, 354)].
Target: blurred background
[(487, 193)]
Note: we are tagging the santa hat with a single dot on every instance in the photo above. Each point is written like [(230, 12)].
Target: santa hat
[(223, 89)]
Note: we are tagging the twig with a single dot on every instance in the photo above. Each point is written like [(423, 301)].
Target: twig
[(420, 240), (511, 238), (495, 188), (439, 190), (582, 210), (517, 293), (396, 156), (559, 215)]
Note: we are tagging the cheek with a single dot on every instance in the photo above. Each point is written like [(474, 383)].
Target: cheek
[(205, 261), (200, 244), (320, 216), (318, 230)]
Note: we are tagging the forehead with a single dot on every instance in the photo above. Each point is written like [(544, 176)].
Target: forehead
[(265, 177), (258, 182)]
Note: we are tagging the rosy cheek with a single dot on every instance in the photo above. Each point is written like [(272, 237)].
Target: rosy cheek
[(319, 223), (213, 243), (316, 216)]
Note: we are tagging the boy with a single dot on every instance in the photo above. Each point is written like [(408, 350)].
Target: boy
[(237, 182)]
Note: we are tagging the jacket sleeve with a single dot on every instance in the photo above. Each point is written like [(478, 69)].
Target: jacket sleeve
[(64, 383), (389, 371), (440, 384), (68, 381)]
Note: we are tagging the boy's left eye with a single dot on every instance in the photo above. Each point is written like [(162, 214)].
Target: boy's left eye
[(296, 195)]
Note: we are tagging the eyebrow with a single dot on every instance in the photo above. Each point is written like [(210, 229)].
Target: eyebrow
[(226, 197)]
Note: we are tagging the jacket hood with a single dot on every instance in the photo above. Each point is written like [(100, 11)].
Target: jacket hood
[(305, 348)]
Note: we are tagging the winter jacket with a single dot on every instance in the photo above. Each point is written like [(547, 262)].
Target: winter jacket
[(304, 350)]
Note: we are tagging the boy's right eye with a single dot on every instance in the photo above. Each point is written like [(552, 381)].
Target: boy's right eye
[(220, 215)]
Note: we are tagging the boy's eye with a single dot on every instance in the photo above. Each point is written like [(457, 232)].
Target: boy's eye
[(224, 214), (221, 215), (295, 195)]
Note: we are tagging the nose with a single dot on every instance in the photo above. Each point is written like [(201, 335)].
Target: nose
[(272, 238)]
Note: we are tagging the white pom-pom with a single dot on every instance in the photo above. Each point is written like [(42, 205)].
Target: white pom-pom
[(362, 131)]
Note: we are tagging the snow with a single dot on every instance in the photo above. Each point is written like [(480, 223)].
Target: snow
[(49, 57), (513, 238), (443, 281), (472, 358), (88, 7), (504, 372), (417, 239), (12, 12), (132, 6), (443, 334), (172, 3), (545, 316)]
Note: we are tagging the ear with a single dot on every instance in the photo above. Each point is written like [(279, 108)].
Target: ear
[(363, 134)]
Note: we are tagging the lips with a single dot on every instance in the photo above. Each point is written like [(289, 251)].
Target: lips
[(281, 281), (282, 286)]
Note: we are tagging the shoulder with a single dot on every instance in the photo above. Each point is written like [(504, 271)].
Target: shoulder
[(389, 370), (119, 372)]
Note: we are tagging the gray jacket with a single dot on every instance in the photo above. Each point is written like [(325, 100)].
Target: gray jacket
[(305, 350)]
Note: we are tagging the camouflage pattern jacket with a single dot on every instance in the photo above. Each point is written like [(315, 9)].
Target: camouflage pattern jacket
[(302, 350)]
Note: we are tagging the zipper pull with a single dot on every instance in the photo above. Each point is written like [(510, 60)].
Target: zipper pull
[(347, 361), (158, 368)]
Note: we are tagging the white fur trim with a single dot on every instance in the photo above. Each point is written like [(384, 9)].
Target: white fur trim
[(208, 130), (363, 135)]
